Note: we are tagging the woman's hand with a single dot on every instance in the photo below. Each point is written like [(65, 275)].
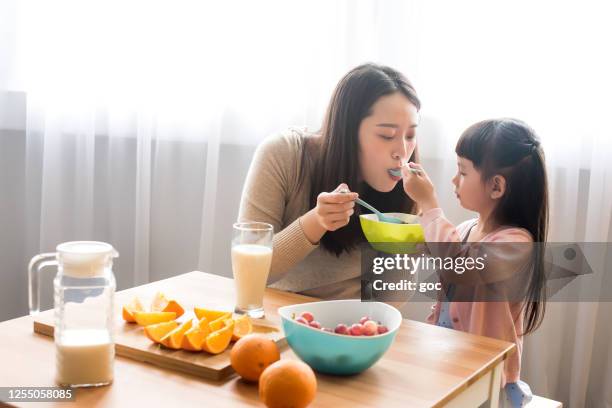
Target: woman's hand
[(333, 211), (419, 187)]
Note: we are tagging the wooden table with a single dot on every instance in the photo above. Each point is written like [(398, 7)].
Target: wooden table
[(426, 366)]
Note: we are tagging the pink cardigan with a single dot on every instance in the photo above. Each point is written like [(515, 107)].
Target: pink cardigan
[(501, 320)]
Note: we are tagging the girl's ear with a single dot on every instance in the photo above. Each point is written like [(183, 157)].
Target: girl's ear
[(497, 187)]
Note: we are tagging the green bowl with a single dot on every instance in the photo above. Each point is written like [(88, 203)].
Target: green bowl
[(392, 238)]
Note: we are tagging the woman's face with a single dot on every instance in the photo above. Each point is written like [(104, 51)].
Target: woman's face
[(387, 139)]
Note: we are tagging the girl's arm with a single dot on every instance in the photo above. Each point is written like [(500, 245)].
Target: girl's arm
[(505, 254)]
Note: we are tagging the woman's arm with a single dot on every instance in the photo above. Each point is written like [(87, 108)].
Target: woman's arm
[(264, 197), (271, 181)]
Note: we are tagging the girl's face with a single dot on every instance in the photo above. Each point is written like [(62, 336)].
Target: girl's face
[(387, 139), (472, 192)]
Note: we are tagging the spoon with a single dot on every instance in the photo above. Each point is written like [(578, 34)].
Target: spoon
[(381, 217), (398, 173)]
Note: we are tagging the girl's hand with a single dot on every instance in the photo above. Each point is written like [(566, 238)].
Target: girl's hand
[(419, 187), (333, 211)]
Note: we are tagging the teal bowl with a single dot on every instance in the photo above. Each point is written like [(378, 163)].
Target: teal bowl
[(333, 353)]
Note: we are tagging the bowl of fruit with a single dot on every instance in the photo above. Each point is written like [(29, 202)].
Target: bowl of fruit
[(340, 337)]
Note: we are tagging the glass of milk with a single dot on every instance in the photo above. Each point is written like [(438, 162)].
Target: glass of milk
[(84, 290), (251, 259)]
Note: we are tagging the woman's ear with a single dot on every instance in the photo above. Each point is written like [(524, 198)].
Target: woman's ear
[(497, 187)]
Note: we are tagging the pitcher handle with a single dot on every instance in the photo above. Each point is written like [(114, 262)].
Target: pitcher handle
[(36, 264)]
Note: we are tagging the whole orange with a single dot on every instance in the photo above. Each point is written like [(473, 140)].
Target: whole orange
[(252, 354), (287, 383)]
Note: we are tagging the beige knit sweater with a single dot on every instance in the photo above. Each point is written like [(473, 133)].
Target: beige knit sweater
[(271, 194)]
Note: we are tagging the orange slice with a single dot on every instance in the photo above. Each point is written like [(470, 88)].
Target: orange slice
[(242, 327), (219, 323), (161, 303), (147, 318), (194, 337), (155, 332), (128, 310), (216, 342), (208, 313), (174, 339), (203, 326)]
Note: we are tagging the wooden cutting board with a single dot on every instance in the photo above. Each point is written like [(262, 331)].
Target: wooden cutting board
[(190, 289)]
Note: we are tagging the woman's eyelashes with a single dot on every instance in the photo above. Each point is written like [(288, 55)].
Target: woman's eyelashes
[(408, 138)]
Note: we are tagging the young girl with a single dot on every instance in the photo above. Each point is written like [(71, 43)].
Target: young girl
[(501, 176)]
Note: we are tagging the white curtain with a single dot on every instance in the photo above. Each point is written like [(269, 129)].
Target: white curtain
[(134, 122)]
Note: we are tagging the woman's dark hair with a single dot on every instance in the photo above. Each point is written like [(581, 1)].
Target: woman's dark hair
[(510, 148), (334, 154)]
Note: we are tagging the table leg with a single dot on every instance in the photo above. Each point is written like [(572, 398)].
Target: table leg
[(495, 386), (482, 393)]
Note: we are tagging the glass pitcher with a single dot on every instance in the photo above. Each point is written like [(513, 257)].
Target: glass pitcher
[(84, 291)]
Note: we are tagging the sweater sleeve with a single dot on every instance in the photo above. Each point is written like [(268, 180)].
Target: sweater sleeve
[(507, 252), (271, 177), (439, 229)]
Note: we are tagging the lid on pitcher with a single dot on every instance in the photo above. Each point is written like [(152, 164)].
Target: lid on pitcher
[(85, 259)]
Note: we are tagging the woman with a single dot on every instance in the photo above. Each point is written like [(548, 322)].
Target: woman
[(295, 180)]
